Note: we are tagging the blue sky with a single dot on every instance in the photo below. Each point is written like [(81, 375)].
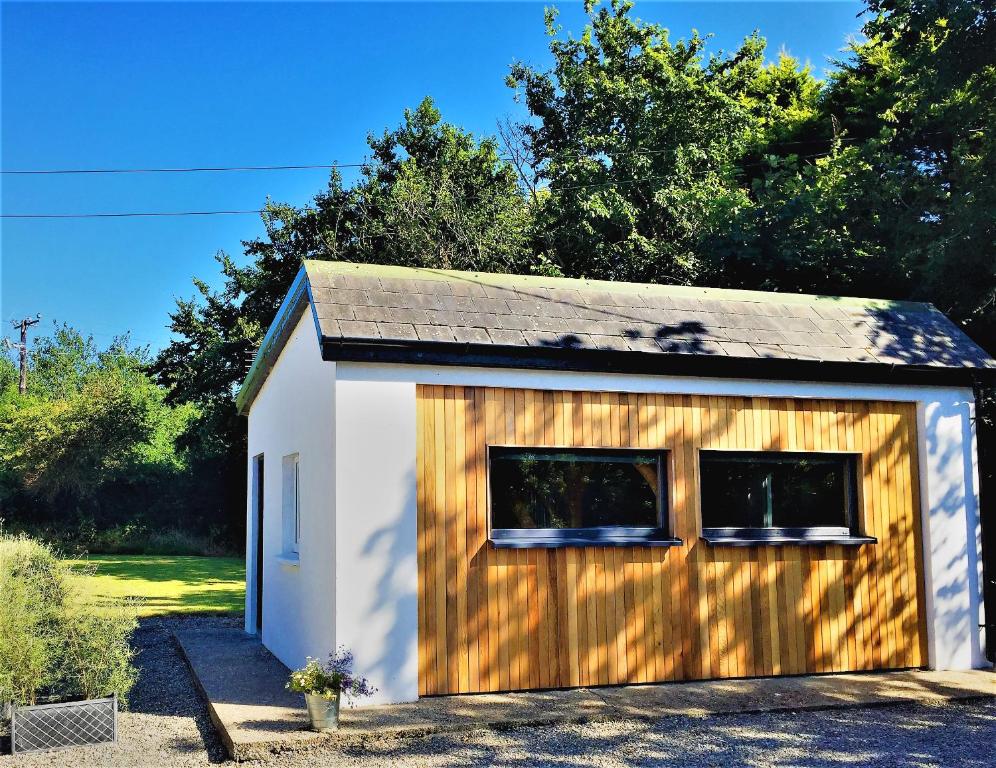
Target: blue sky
[(129, 85)]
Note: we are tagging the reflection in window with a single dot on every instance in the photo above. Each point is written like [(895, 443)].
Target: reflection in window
[(544, 489), (788, 491)]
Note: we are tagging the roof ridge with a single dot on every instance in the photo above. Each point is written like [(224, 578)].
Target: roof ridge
[(501, 279)]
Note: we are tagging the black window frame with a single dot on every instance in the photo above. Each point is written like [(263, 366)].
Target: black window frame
[(849, 534), (600, 536)]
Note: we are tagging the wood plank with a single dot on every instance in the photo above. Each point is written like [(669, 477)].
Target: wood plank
[(509, 620)]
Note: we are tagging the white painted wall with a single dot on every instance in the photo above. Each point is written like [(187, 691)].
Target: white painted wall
[(376, 575), (293, 413), (949, 476)]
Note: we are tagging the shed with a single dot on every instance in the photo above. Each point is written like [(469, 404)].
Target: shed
[(483, 482)]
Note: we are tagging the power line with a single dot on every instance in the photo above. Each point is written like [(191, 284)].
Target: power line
[(330, 166), (256, 211), (369, 164), (124, 215), (203, 169)]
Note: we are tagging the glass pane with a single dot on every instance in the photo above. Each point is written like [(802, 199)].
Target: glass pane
[(775, 491), (533, 488)]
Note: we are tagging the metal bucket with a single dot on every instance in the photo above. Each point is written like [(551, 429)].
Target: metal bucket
[(324, 713)]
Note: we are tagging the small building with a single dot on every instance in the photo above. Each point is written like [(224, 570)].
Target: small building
[(484, 482)]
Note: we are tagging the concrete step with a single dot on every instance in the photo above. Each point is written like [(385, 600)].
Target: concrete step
[(256, 716)]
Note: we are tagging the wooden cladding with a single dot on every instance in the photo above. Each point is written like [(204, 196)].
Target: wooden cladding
[(512, 619)]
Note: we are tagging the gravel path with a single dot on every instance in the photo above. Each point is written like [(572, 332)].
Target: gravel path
[(168, 726)]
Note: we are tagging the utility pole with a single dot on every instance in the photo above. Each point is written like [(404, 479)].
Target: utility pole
[(22, 348)]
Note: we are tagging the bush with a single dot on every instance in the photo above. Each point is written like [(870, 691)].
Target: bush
[(83, 538), (132, 539), (52, 644)]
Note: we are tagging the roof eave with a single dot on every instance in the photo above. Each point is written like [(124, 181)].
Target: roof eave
[(291, 308), (653, 363)]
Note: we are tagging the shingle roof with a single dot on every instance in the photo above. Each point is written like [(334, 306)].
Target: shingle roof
[(381, 309), (398, 304)]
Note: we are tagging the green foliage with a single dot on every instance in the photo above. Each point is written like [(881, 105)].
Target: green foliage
[(32, 591), (648, 157), (312, 678), (432, 195), (8, 375), (92, 440), (52, 644), (78, 537), (637, 139), (659, 162), (95, 651)]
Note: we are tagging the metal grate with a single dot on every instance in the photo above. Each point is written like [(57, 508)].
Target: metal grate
[(58, 726)]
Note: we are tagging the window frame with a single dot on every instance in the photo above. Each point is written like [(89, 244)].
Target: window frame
[(850, 534), (600, 536), (296, 539), (290, 507)]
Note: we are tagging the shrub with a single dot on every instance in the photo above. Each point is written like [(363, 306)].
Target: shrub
[(82, 537), (31, 590), (52, 644)]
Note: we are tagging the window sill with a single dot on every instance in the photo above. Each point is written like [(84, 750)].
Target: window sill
[(515, 539), (290, 559), (775, 541)]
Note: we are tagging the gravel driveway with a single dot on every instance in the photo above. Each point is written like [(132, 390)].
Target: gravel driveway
[(168, 726)]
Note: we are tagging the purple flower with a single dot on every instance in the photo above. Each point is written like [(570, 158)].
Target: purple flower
[(339, 668)]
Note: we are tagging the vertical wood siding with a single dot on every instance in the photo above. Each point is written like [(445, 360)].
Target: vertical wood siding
[(511, 619)]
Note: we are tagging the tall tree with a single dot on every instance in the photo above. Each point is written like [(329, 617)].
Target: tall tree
[(637, 140), (901, 203), (92, 438), (431, 195), (649, 158)]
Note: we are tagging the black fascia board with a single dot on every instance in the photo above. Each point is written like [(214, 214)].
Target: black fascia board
[(650, 363)]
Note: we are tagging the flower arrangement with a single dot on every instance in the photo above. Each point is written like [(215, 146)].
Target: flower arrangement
[(331, 679)]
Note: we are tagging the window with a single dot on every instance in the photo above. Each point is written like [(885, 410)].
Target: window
[(779, 497), (291, 504), (547, 497)]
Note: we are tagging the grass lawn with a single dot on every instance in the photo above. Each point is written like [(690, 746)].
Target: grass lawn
[(168, 584)]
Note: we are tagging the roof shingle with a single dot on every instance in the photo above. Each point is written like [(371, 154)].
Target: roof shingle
[(380, 303)]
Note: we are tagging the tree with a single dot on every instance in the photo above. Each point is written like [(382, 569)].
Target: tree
[(92, 437), (650, 158), (637, 140), (901, 204), (431, 195)]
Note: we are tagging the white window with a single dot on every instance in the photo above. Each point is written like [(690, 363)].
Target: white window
[(291, 504)]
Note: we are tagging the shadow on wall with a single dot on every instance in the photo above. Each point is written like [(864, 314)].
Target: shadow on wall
[(956, 503), (394, 544)]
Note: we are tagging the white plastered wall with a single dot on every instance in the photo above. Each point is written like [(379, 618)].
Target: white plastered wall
[(294, 413), (376, 584)]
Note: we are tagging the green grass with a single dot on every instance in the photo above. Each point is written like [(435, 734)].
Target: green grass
[(167, 584)]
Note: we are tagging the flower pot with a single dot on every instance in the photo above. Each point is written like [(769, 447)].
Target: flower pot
[(323, 711)]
